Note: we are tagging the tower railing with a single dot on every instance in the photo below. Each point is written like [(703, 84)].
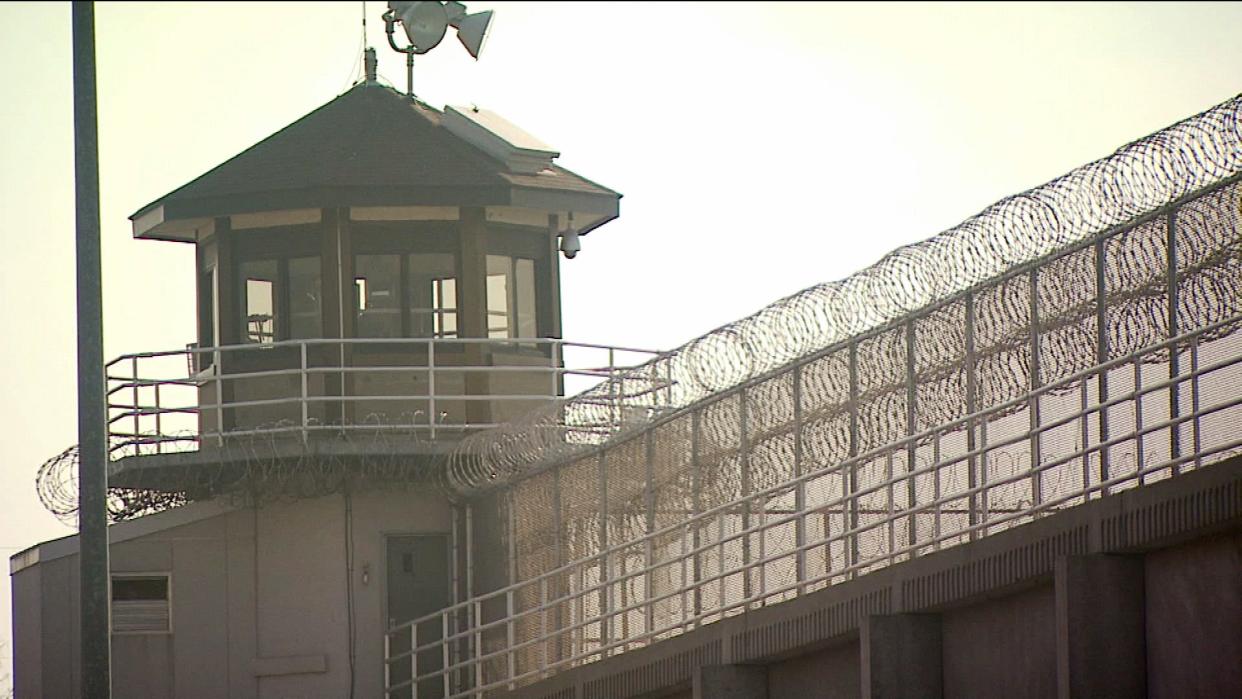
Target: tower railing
[(428, 389)]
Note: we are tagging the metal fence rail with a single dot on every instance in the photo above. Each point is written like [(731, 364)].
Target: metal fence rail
[(202, 396), (1104, 365)]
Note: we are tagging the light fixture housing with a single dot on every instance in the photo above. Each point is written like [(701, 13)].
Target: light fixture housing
[(570, 244), (425, 24), (472, 31)]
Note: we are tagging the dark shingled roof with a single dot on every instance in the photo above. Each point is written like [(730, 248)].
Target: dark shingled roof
[(371, 146)]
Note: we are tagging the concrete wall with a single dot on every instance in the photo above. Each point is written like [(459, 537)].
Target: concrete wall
[(259, 602)]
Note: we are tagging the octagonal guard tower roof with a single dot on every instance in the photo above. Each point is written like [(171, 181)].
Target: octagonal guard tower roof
[(373, 146)]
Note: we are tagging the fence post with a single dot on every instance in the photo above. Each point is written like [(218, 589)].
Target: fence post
[(510, 637), (744, 468), (800, 489), (1175, 441), (911, 430), (972, 405), (432, 413), (605, 570), (305, 393), (216, 360), (1102, 351), (850, 482), (649, 554), (1032, 406)]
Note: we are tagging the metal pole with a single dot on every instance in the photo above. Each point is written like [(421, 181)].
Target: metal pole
[(92, 417), (409, 73)]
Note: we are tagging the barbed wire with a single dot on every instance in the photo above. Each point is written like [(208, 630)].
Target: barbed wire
[(1137, 179)]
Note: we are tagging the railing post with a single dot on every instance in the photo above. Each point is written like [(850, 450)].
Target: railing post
[(605, 586), (217, 360), (850, 479), (387, 663), (433, 414), (305, 394), (444, 654), (1102, 351), (477, 610), (510, 637), (1175, 436), (133, 371), (1194, 399), (414, 660), (649, 502), (696, 485), (911, 430), (800, 488), (744, 467), (544, 637), (972, 405), (159, 429), (1032, 407)]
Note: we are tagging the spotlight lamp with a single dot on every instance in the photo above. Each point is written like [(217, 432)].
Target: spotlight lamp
[(425, 24)]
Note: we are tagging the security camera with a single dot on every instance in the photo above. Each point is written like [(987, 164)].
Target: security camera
[(570, 245)]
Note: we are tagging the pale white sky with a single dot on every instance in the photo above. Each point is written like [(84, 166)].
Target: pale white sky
[(761, 148)]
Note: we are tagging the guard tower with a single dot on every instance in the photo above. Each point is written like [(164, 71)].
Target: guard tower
[(375, 282), (377, 268)]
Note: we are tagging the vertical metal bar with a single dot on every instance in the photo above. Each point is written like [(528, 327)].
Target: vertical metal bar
[(556, 368), (472, 620), (159, 428), (478, 643), (432, 414), (1032, 405), (985, 496), (744, 476), (649, 555), (720, 558), (850, 482), (614, 419), (96, 656), (544, 636), (455, 547), (414, 659), (696, 504), (444, 654), (1138, 420), (800, 489), (1084, 435), (936, 524), (605, 573), (387, 664), (136, 399), (510, 637), (891, 515), (1175, 432), (218, 369), (972, 405), (911, 430), (558, 529), (683, 542), (1102, 351), (305, 393), (1194, 398)]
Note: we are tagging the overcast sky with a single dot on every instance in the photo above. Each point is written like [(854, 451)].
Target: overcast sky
[(761, 148)]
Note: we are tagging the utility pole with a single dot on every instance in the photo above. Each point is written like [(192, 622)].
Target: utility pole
[(92, 440)]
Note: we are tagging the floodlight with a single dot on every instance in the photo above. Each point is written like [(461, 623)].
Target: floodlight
[(425, 24), (472, 31)]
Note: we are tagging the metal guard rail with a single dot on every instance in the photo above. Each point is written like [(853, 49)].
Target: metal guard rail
[(463, 625), (151, 410)]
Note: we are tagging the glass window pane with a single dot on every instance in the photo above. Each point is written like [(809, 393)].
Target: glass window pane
[(258, 300), (498, 290), (305, 315), (377, 281), (524, 272), (432, 295)]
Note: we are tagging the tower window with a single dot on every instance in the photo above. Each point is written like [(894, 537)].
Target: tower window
[(280, 299), (412, 295), (510, 297)]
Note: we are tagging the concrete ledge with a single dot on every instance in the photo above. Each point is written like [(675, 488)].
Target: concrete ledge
[(289, 665)]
